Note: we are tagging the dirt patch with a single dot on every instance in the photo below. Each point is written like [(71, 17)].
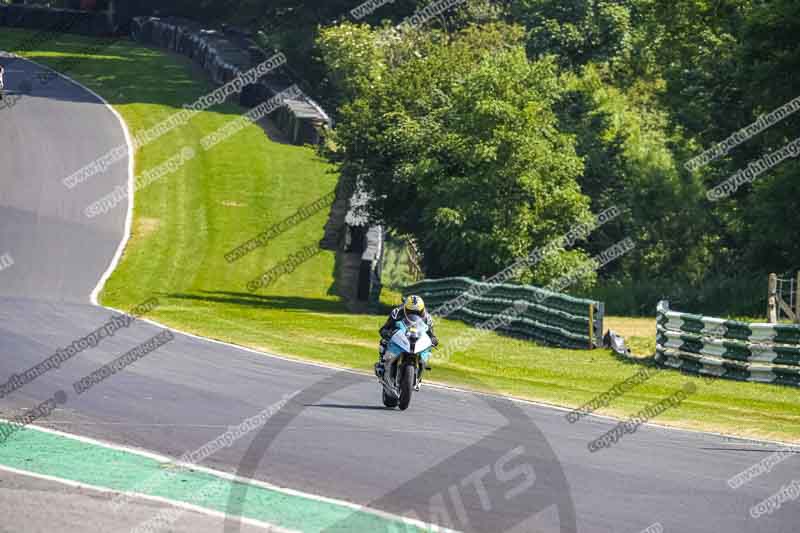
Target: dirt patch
[(631, 327), (145, 227)]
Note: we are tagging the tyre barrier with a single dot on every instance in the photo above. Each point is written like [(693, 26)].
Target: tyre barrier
[(764, 353), (550, 318), (223, 55)]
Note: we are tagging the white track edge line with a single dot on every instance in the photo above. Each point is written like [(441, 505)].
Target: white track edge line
[(159, 499), (94, 301), (458, 390), (118, 255), (115, 261), (131, 171), (163, 459), (126, 237)]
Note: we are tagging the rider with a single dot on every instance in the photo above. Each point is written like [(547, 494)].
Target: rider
[(412, 306)]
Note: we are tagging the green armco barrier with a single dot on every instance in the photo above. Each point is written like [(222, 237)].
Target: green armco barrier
[(728, 349), (528, 293), (544, 334), (490, 306), (729, 329), (550, 318), (765, 353)]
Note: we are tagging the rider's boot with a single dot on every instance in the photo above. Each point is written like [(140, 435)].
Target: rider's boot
[(379, 367)]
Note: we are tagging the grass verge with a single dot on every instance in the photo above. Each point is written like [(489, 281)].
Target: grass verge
[(186, 222)]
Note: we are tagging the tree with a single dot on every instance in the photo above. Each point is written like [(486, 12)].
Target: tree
[(576, 31), (631, 164), (456, 138)]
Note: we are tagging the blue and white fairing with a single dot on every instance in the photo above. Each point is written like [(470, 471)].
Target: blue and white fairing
[(411, 337)]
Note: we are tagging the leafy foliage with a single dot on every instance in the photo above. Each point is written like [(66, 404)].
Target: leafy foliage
[(495, 126), (456, 138)]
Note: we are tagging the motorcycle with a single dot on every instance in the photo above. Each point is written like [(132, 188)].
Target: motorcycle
[(405, 359)]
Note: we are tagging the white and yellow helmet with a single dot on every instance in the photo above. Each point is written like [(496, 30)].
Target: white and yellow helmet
[(414, 305)]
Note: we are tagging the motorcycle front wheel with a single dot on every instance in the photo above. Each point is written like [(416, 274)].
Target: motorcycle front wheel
[(408, 379)]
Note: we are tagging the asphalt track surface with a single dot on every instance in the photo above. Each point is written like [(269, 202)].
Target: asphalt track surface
[(466, 461), (41, 506)]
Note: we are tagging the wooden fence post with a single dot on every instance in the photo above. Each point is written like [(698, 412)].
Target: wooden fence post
[(772, 299)]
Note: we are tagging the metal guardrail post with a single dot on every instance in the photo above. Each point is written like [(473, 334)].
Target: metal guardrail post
[(797, 296), (601, 313), (772, 299)]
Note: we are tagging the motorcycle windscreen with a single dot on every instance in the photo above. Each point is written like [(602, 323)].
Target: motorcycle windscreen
[(423, 344), (398, 344)]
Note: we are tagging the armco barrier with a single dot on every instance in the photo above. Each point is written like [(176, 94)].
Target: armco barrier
[(766, 353), (551, 318)]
